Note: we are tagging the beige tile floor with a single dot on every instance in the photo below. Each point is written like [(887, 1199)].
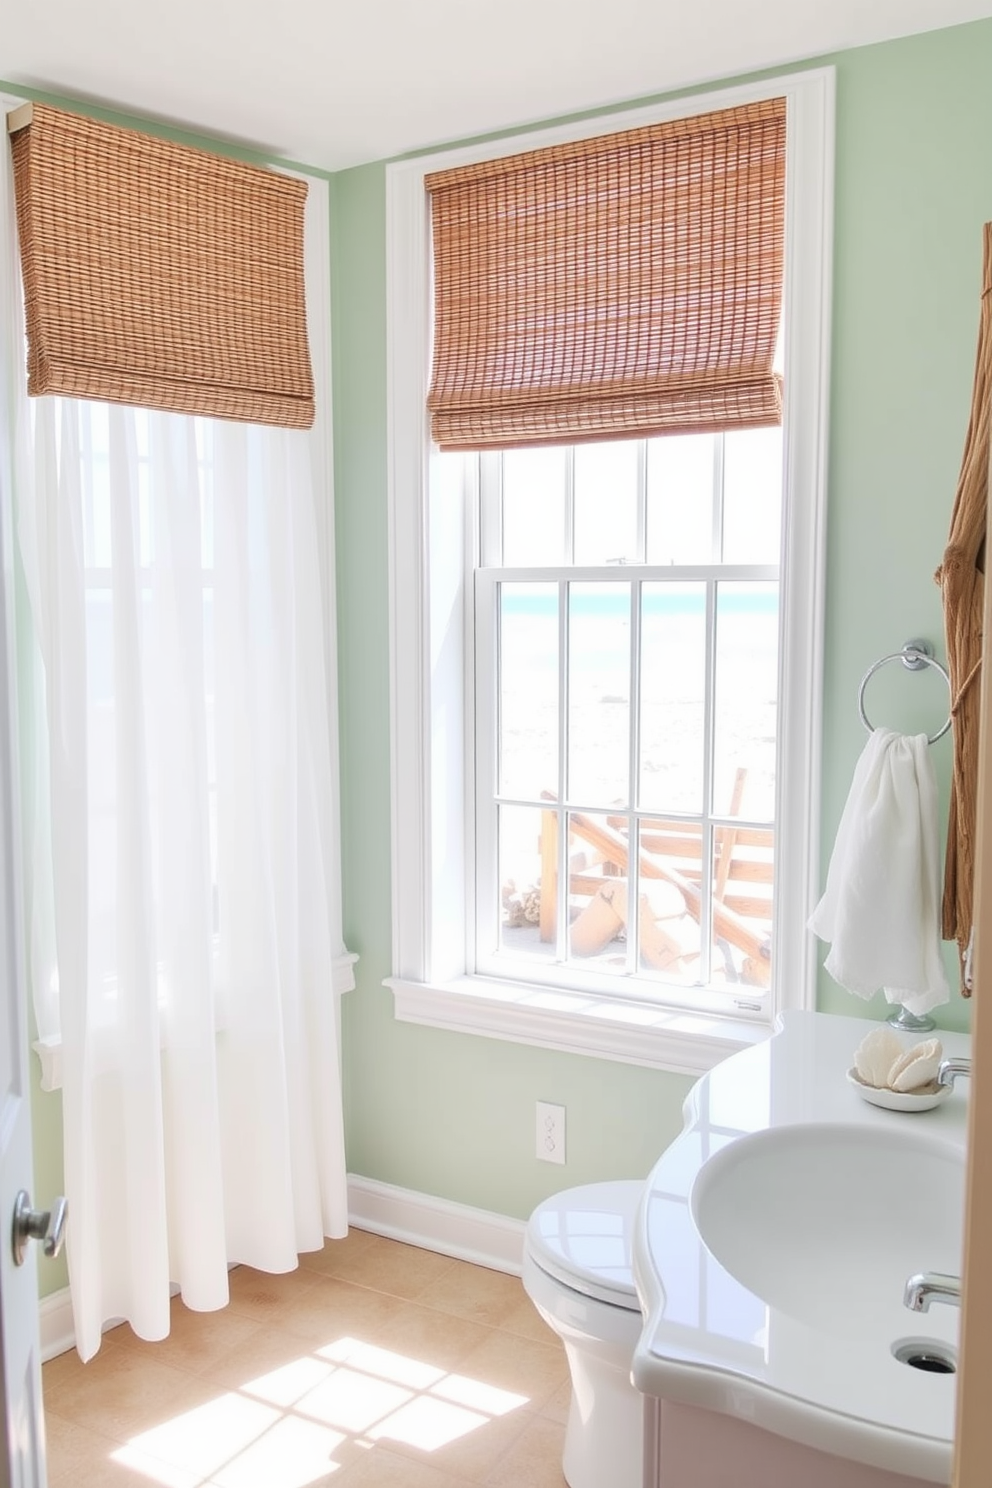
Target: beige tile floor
[(374, 1365)]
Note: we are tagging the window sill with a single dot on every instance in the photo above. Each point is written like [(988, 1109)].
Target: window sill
[(669, 1039)]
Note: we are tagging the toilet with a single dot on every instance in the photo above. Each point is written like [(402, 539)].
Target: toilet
[(577, 1272)]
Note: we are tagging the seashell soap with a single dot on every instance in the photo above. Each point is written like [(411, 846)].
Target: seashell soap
[(876, 1055), (917, 1067), (881, 1061)]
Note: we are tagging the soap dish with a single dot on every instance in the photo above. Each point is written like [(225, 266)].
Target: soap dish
[(923, 1099)]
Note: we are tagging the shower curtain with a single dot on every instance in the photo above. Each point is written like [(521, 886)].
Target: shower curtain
[(181, 831)]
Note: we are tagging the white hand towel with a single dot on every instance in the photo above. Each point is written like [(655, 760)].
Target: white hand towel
[(881, 908)]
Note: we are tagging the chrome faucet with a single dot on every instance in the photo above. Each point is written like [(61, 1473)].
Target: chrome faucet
[(949, 1069), (931, 1286)]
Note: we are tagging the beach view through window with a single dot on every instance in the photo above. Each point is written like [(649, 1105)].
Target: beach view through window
[(629, 729)]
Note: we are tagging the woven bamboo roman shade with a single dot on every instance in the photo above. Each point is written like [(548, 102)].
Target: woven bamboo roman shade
[(625, 285), (159, 275)]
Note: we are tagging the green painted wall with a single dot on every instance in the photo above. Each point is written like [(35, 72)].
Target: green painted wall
[(914, 186), (453, 1115)]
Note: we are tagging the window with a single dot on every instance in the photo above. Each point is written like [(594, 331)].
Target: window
[(608, 656), (626, 647)]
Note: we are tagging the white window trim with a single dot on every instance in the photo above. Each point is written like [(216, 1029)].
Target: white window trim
[(431, 664)]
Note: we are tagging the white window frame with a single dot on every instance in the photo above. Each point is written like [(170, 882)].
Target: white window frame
[(431, 543)]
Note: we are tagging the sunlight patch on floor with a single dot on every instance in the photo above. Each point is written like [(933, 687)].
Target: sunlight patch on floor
[(288, 1384), (292, 1454), (314, 1415), (428, 1424), (162, 1474), (203, 1439)]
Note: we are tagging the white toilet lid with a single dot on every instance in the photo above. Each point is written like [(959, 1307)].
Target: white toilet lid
[(583, 1238)]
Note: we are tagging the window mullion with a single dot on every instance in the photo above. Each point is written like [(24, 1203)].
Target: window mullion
[(561, 888), (633, 790), (634, 715), (482, 766), (709, 731)]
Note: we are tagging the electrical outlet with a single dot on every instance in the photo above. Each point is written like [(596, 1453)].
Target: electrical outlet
[(550, 1132)]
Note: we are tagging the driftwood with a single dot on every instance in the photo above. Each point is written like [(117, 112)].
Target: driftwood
[(606, 915), (727, 924), (670, 873)]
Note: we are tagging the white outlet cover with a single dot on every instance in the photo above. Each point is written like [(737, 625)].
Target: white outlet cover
[(550, 1132)]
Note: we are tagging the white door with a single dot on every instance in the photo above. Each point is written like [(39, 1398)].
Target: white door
[(22, 1437)]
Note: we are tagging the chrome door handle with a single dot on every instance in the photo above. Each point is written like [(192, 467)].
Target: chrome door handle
[(46, 1225)]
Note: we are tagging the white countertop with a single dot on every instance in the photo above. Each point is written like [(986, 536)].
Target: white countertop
[(830, 1382)]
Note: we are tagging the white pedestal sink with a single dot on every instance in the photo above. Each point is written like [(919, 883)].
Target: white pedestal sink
[(774, 1240)]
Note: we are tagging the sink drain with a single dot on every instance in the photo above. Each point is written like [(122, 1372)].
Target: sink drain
[(926, 1354)]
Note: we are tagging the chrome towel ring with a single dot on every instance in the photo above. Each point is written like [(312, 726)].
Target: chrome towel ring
[(915, 655)]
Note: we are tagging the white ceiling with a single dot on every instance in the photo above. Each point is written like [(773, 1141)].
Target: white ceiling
[(334, 83)]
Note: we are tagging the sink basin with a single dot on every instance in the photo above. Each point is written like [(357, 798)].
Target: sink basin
[(826, 1222)]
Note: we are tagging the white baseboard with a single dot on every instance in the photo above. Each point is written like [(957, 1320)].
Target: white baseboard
[(55, 1324), (451, 1229)]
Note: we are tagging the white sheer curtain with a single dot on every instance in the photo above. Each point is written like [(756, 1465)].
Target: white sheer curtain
[(181, 834)]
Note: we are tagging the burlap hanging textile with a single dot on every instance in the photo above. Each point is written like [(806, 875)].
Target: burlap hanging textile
[(961, 577)]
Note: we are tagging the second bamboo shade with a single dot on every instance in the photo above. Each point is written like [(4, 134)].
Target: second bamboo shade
[(625, 285), (159, 275)]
